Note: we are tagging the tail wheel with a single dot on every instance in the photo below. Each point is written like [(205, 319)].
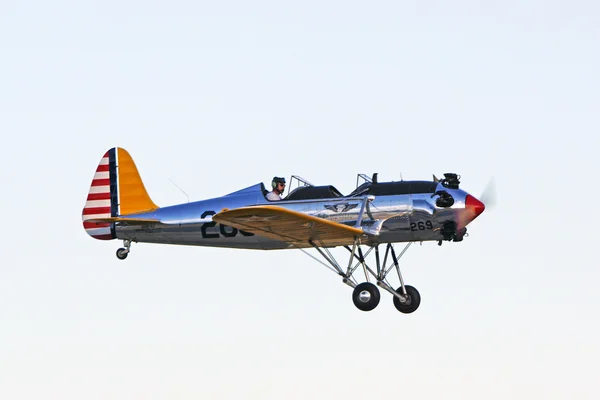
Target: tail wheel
[(366, 296), (122, 253), (412, 300)]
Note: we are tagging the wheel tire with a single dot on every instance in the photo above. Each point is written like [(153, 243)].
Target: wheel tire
[(366, 296), (413, 302), (122, 253)]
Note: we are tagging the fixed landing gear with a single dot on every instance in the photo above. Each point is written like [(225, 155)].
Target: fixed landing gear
[(124, 251), (366, 295), (409, 302)]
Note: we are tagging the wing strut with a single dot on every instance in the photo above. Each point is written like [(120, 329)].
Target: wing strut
[(356, 252)]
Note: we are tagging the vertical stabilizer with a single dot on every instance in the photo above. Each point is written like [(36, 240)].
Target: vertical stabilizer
[(133, 197), (117, 189)]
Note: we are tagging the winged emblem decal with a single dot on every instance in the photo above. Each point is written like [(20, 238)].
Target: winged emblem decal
[(341, 207)]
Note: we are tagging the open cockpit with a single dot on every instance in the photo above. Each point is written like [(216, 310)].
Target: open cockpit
[(301, 189)]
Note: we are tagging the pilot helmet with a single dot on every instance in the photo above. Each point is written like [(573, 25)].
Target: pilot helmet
[(277, 180)]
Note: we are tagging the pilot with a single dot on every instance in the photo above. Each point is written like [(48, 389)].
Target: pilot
[(278, 185)]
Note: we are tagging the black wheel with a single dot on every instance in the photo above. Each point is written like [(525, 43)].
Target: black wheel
[(122, 253), (366, 296), (412, 302)]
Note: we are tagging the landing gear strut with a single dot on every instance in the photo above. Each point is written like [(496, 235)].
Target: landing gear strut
[(366, 295), (124, 251)]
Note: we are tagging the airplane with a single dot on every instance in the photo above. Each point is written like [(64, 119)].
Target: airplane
[(375, 214)]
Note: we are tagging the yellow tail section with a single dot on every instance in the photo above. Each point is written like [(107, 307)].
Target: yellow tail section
[(133, 197)]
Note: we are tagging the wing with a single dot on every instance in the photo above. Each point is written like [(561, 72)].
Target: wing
[(289, 226)]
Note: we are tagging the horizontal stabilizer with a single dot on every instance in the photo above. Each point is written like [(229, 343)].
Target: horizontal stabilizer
[(130, 221), (289, 226)]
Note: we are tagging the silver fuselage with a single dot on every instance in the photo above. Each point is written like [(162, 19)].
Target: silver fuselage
[(402, 218)]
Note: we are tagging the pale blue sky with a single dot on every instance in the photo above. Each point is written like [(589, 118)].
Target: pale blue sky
[(217, 97)]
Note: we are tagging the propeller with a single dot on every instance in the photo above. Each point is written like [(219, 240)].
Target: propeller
[(488, 196)]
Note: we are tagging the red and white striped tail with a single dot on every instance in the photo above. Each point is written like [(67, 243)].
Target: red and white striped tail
[(102, 199)]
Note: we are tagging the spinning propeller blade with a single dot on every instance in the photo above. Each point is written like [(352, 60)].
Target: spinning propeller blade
[(488, 196), (486, 201)]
